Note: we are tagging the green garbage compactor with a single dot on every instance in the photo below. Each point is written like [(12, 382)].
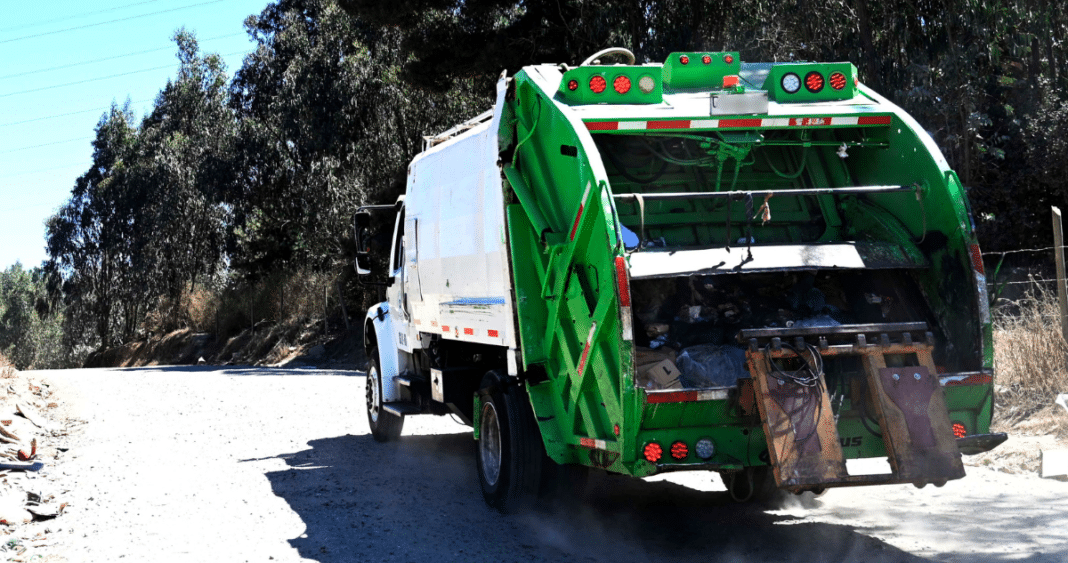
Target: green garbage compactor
[(764, 270)]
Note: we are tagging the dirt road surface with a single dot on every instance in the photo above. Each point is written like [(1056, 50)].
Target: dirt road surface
[(254, 464)]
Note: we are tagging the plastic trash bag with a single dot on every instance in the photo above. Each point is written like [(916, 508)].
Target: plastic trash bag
[(709, 365), (819, 320)]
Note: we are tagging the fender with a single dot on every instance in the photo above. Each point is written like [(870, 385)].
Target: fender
[(390, 360)]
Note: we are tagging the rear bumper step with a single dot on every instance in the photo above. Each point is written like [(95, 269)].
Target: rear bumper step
[(401, 408), (979, 443)]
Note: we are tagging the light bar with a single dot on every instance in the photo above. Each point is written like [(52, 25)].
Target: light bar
[(704, 71), (811, 82), (598, 84)]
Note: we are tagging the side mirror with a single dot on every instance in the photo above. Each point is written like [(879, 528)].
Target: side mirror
[(361, 225)]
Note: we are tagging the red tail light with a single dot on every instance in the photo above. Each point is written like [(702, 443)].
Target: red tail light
[(598, 84), (684, 60), (730, 81), (814, 82), (623, 281), (653, 452), (959, 430), (621, 84), (679, 450), (728, 59), (838, 81), (706, 59), (572, 85)]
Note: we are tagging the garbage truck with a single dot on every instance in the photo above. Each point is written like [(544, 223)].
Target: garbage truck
[(762, 270)]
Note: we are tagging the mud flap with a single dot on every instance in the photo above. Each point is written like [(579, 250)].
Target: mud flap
[(799, 424)]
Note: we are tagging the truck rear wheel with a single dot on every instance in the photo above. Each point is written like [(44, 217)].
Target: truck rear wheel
[(510, 452), (754, 484), (385, 426)]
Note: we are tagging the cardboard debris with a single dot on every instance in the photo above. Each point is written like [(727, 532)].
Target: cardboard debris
[(646, 357), (32, 416), (661, 375)]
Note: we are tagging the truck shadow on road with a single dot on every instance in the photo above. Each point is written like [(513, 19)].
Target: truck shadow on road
[(417, 499)]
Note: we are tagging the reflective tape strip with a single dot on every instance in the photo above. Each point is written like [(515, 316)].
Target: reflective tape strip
[(737, 123), (685, 396), (582, 206), (593, 443), (966, 379), (875, 120), (469, 331), (493, 333), (586, 350), (444, 328)]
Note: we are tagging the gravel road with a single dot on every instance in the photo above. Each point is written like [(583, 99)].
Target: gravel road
[(256, 464)]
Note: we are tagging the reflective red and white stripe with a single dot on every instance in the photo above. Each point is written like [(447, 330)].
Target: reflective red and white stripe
[(739, 123), (951, 380), (586, 350), (593, 443), (685, 396), (467, 331), (582, 207)]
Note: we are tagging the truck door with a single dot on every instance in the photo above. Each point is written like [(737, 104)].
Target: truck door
[(397, 292)]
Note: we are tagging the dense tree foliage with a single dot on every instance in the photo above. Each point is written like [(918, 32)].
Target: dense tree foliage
[(31, 324), (236, 179)]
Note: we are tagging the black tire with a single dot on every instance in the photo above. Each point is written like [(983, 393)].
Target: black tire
[(754, 484), (385, 426), (510, 452)]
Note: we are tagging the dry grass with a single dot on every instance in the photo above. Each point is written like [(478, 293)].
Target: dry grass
[(7, 369), (282, 299), (1031, 358)]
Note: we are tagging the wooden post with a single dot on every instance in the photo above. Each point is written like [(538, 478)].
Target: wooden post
[(1058, 253), (344, 311)]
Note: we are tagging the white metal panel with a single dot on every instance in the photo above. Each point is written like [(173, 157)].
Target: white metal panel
[(651, 264), (455, 207)]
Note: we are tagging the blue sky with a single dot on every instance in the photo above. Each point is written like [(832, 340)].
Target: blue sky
[(62, 63)]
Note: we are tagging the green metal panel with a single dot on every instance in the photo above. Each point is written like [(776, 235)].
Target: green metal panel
[(566, 296), (705, 71)]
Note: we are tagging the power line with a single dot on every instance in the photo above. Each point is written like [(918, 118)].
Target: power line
[(53, 169), (72, 65), (53, 143), (31, 90), (47, 33), (20, 208), (10, 123), (76, 16)]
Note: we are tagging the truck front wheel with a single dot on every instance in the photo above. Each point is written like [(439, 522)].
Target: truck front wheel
[(510, 451), (385, 426)]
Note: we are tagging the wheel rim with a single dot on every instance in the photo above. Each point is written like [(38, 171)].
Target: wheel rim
[(372, 393), (489, 444)]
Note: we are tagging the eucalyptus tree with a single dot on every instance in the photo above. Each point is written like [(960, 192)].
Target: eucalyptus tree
[(325, 124), (88, 238), (182, 169)]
